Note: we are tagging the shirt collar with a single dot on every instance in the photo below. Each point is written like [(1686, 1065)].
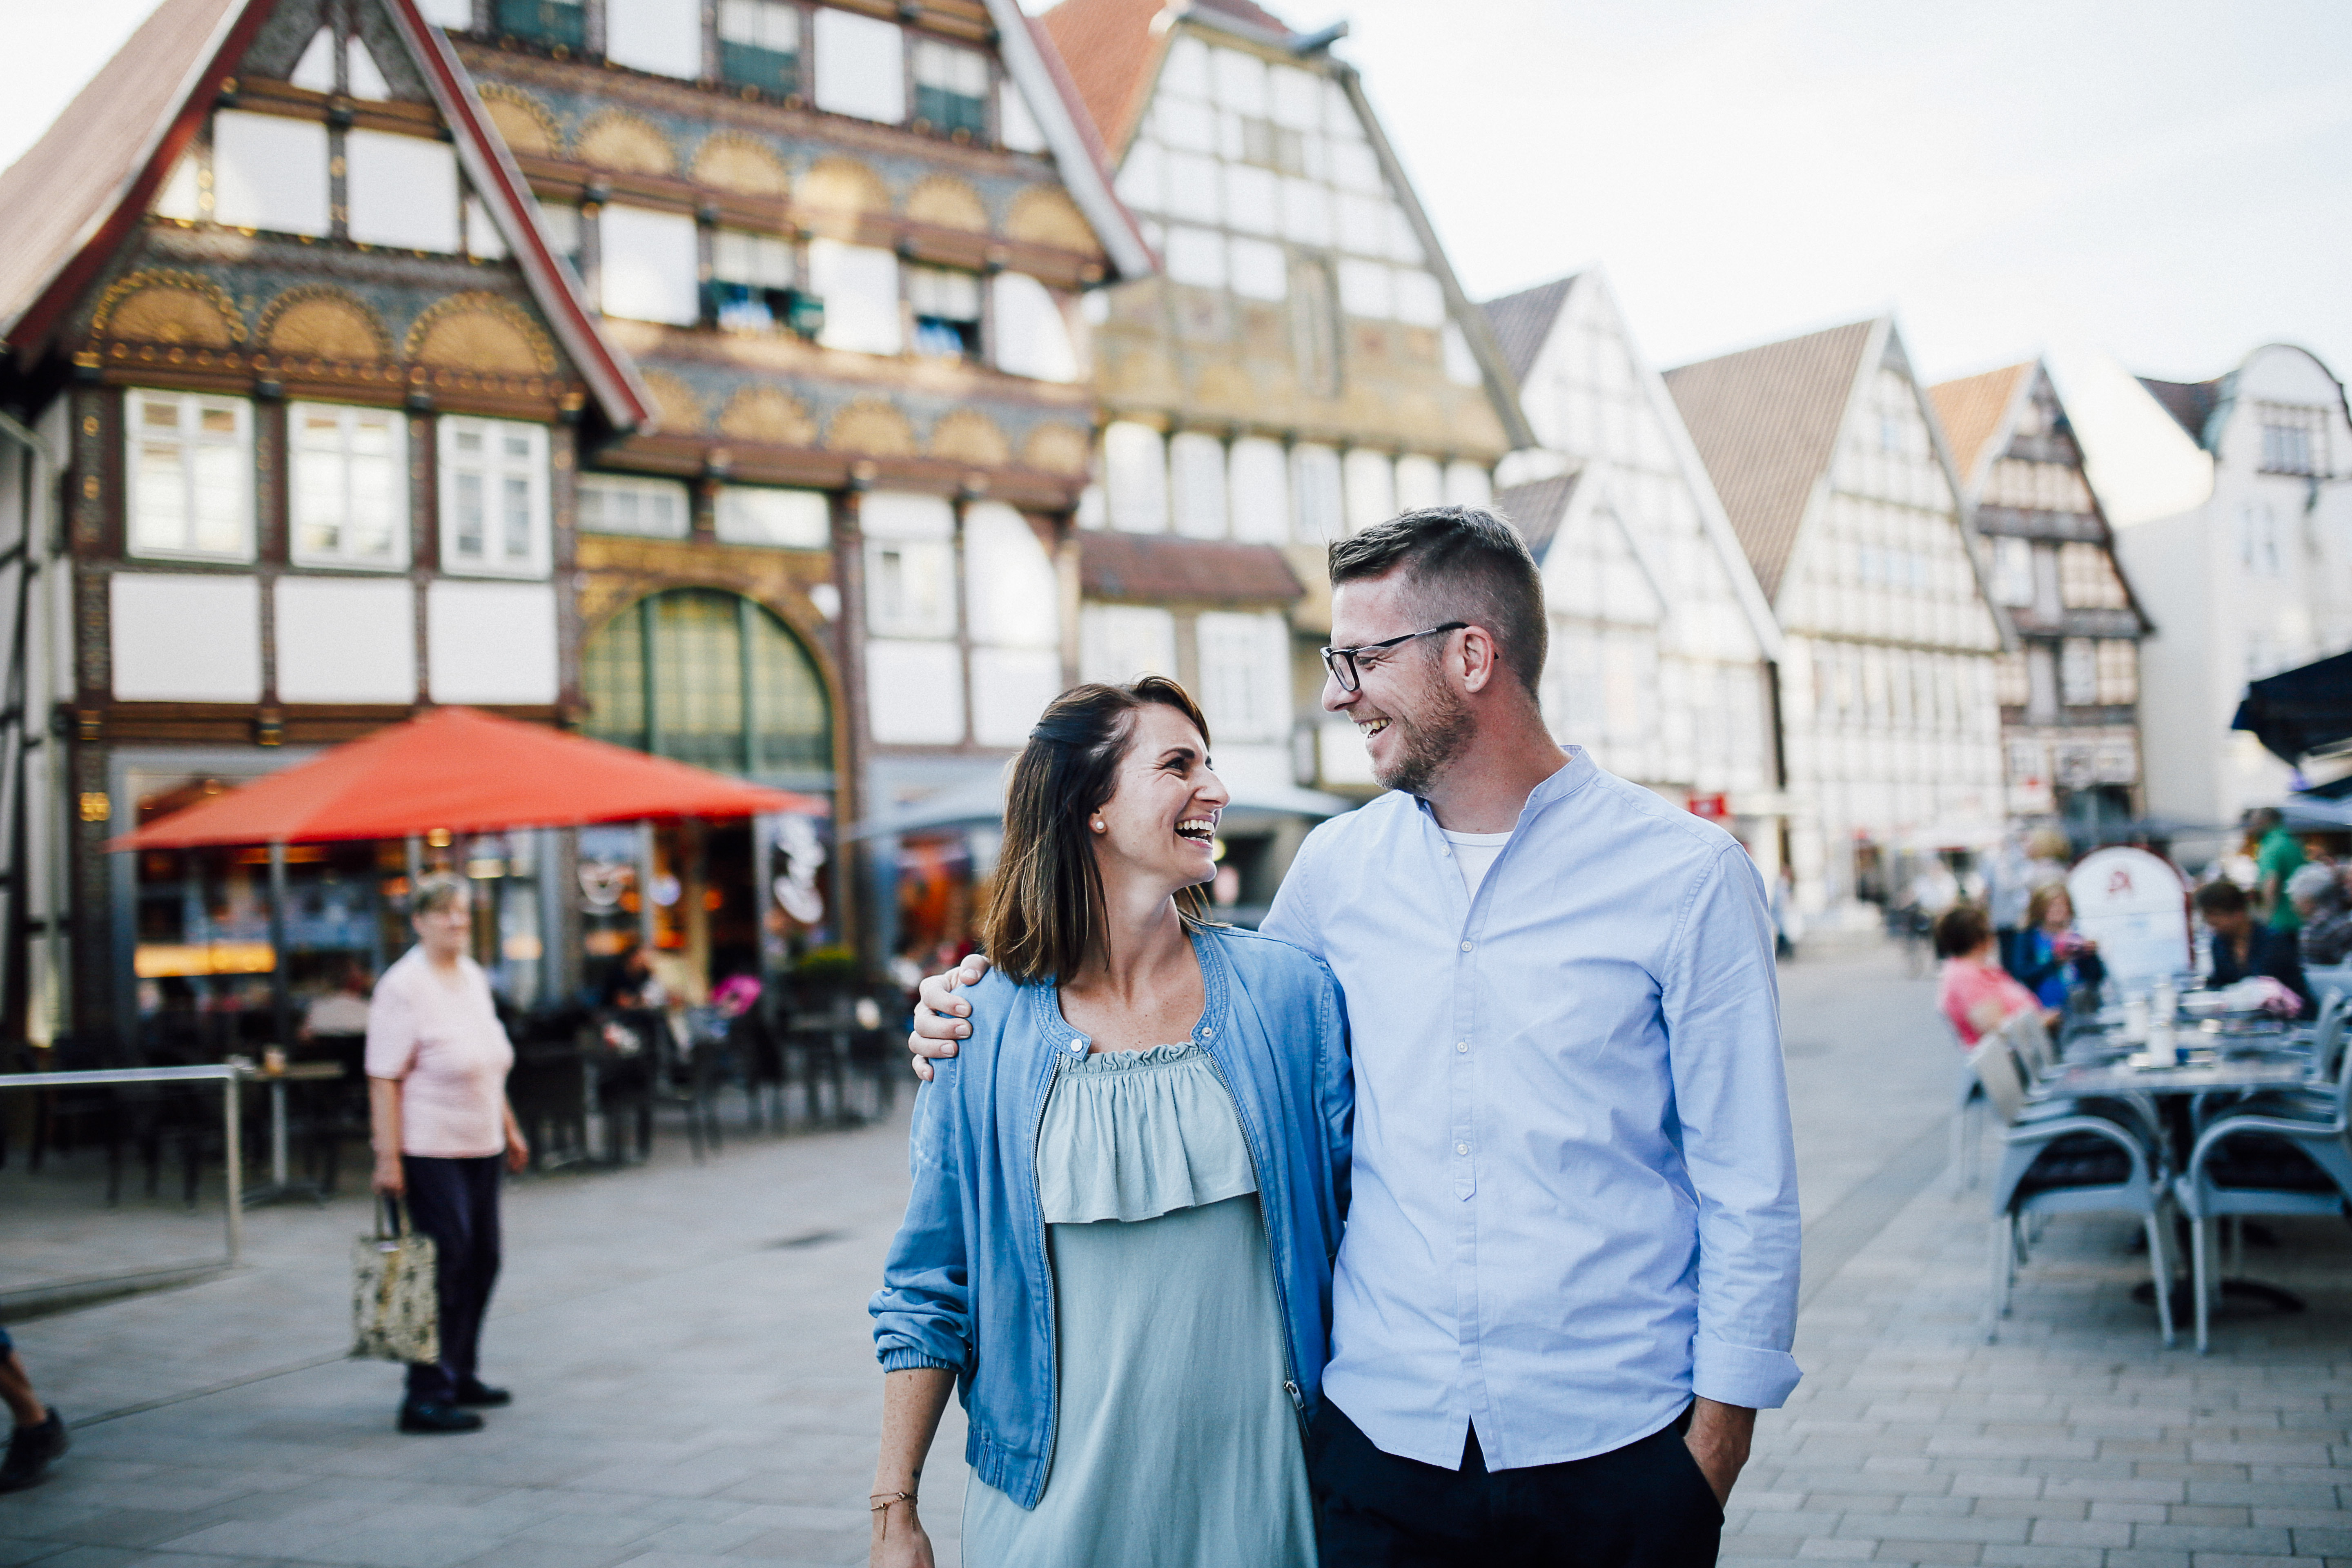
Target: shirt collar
[(1580, 769)]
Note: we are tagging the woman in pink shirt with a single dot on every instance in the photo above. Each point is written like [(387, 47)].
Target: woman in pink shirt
[(437, 1059), (1977, 995)]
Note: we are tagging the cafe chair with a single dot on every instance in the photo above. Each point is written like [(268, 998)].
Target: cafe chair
[(2315, 1098), (2286, 1154), (2058, 1158)]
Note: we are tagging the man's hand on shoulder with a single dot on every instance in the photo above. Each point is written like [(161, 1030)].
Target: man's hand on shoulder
[(938, 1017), (1718, 1440)]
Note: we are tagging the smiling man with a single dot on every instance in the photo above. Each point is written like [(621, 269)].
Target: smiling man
[(1568, 1276)]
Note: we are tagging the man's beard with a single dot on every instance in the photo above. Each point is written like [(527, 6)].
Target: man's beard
[(1430, 742)]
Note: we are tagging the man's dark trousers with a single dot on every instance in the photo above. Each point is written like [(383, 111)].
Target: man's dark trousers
[(455, 1202), (1645, 1505)]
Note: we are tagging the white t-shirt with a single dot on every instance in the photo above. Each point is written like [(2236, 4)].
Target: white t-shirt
[(1474, 852)]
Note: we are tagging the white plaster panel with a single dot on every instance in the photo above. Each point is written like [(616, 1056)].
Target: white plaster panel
[(1261, 492), (1032, 337), (183, 638), (860, 65), (652, 267), (491, 642), (345, 641), (663, 36), (269, 172), (402, 191), (914, 691), (1010, 687), (1117, 643), (1015, 593)]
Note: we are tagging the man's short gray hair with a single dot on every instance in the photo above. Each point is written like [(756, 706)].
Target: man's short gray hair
[(436, 893), (2313, 884)]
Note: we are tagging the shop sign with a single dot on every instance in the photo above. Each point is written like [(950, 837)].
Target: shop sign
[(2135, 905), (1714, 807)]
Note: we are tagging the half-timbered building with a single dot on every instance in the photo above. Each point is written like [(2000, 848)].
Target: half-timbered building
[(2070, 690), (1834, 472)]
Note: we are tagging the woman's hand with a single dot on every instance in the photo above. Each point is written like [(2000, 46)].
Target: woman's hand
[(389, 1180), (899, 1540), (518, 1150)]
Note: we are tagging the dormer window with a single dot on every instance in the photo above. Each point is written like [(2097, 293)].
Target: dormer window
[(760, 45), (951, 88)]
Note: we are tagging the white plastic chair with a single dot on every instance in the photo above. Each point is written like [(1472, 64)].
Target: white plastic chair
[(2316, 1127), (2062, 1159)]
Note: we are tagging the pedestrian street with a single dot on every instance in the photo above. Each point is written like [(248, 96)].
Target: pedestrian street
[(694, 1386)]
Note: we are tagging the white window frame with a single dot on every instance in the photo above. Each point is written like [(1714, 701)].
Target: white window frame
[(920, 532), (494, 465), (773, 518), (239, 442), (600, 487), (299, 459)]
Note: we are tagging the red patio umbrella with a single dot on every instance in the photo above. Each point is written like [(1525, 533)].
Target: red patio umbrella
[(462, 771)]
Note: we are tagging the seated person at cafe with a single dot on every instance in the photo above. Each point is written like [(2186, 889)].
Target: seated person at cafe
[(2243, 948), (2319, 898), (1976, 993), (340, 1012), (2050, 960)]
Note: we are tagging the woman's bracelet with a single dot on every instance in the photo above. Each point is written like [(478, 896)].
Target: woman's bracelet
[(877, 1502)]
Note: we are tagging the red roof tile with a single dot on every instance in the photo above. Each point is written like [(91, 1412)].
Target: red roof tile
[(1973, 411)]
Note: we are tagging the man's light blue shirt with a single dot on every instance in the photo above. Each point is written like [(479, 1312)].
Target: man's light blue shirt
[(1574, 1192)]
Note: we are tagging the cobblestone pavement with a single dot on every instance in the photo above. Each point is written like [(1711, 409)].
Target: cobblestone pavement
[(695, 1387)]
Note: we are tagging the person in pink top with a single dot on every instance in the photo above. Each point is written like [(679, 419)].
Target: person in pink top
[(1977, 995), (437, 1059)]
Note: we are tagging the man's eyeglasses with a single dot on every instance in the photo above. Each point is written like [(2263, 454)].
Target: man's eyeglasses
[(1341, 661)]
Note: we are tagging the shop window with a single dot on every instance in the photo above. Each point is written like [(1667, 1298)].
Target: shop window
[(350, 488), (401, 190), (649, 265), (791, 519), (951, 88), (269, 173), (711, 679), (190, 465), (1135, 472), (753, 284), (493, 496), (1032, 337), (860, 67), (858, 287), (551, 24), (621, 503), (760, 45), (1245, 675), (662, 36), (946, 307)]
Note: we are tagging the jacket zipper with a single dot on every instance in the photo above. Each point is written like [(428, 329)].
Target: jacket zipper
[(1265, 1222)]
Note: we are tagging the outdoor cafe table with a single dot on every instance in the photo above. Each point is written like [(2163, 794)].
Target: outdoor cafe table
[(279, 1187)]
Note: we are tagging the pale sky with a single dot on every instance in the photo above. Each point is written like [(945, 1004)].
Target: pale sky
[(2170, 183)]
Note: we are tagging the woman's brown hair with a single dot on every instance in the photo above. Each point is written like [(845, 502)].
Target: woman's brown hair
[(1045, 916), (2043, 897), (1960, 931)]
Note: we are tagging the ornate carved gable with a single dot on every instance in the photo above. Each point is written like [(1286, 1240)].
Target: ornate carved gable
[(324, 322), (968, 436), (165, 307), (677, 403), (873, 427), (945, 202), (767, 416), (522, 120), (480, 331), (1045, 214), (627, 143), (734, 161)]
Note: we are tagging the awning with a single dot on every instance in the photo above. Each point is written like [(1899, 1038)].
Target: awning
[(460, 771), (2302, 711)]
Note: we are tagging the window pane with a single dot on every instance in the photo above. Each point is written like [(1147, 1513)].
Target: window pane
[(697, 681), (791, 719), (401, 190), (613, 671), (651, 266), (162, 522), (219, 500), (517, 540), (472, 520)]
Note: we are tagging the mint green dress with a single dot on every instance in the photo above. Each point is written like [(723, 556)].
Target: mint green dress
[(1175, 1443)]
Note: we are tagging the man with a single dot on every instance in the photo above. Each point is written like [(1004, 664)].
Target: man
[(2241, 948), (2278, 854), (39, 1436), (1569, 1268)]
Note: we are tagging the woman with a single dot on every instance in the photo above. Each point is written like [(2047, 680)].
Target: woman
[(1128, 1185), (1976, 993), (438, 1060), (2052, 960), (2318, 894)]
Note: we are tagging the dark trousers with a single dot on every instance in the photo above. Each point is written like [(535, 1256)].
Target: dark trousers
[(1645, 1505), (455, 1202)]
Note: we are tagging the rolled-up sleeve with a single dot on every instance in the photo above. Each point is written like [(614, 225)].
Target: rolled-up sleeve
[(922, 1315), (1721, 1005)]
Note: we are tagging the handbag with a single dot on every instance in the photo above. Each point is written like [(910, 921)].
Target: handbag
[(395, 1296)]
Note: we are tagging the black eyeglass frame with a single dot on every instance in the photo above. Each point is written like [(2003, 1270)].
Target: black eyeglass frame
[(1341, 661)]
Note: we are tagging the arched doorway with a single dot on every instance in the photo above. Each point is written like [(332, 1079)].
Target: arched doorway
[(716, 679)]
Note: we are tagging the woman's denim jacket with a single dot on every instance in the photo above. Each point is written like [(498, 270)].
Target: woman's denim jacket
[(968, 1285)]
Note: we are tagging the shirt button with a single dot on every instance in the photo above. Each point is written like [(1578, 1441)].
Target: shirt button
[(1462, 1044), (1448, 853), (1466, 947), (1208, 1034), (1462, 1148), (1077, 1048)]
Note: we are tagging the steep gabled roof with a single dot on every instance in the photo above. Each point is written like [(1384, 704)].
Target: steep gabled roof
[(1766, 424), (1112, 50), (72, 198), (2191, 403), (1974, 411), (1522, 321), (1535, 507), (1039, 70)]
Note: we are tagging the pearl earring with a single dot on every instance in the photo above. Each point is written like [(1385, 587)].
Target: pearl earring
[(1099, 824)]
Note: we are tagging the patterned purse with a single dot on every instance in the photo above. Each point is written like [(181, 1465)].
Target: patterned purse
[(395, 1307)]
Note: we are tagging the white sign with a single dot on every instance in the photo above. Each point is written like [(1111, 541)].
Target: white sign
[(2135, 906)]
